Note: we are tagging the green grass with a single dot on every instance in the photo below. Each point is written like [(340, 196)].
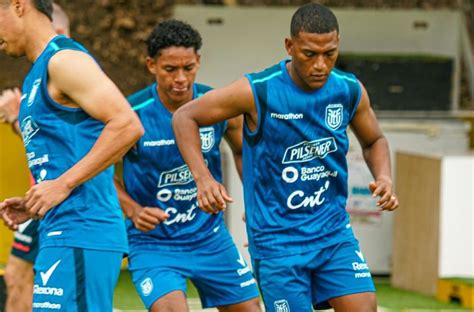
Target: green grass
[(402, 300), (467, 281), (388, 297)]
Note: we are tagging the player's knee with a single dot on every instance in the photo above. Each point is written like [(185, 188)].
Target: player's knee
[(174, 301), (252, 305), (12, 275), (370, 304)]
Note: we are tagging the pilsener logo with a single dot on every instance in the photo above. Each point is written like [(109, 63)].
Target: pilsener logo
[(177, 176), (309, 150), (28, 129)]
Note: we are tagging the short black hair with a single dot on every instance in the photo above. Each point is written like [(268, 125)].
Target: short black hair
[(45, 7), (173, 33), (313, 18)]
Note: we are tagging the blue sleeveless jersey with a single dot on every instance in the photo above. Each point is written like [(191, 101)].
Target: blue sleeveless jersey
[(56, 138), (156, 175), (295, 169)]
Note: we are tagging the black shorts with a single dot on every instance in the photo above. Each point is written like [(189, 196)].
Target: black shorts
[(25, 244)]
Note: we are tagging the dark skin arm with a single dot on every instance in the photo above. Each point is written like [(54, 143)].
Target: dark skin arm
[(233, 137), (214, 107), (376, 153)]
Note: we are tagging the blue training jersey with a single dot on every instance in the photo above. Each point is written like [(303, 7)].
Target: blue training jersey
[(155, 175), (56, 138), (295, 169)]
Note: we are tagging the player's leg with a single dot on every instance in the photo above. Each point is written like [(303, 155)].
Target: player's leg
[(344, 280), (230, 285), (19, 281), (97, 273), (285, 283), (160, 280), (361, 302), (175, 301), (19, 273), (75, 279)]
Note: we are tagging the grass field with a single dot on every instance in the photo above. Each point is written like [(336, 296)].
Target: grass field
[(388, 298)]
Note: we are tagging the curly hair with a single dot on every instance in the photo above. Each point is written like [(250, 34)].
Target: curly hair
[(173, 33), (313, 18)]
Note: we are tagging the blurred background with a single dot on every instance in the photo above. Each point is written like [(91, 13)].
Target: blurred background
[(415, 58)]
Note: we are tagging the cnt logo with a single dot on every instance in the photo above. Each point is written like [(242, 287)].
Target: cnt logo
[(309, 150)]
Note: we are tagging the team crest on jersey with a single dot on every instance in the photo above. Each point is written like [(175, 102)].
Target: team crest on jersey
[(28, 129), (334, 114), (281, 306), (34, 90), (207, 138), (147, 286)]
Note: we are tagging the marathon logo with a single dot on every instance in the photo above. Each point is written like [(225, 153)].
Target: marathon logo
[(307, 151)]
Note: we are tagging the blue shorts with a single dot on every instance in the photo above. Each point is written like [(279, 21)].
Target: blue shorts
[(222, 278), (75, 279), (25, 245), (296, 282)]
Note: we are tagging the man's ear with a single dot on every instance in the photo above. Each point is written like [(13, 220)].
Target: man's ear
[(151, 65), (19, 7), (289, 46)]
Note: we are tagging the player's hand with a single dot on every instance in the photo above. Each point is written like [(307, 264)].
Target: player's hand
[(9, 105), (212, 196), (14, 212), (382, 187), (147, 218), (41, 197)]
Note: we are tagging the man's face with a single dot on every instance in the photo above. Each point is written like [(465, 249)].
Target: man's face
[(10, 30), (175, 70), (313, 57)]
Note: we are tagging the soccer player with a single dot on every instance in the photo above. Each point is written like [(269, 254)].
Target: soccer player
[(170, 238), (19, 268), (75, 123), (295, 171)]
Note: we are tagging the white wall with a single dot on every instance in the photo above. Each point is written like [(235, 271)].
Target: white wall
[(252, 38), (457, 217)]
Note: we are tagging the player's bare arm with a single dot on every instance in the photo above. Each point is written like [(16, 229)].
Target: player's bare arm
[(144, 218), (233, 137), (376, 152), (14, 212), (9, 106), (214, 107), (75, 75)]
